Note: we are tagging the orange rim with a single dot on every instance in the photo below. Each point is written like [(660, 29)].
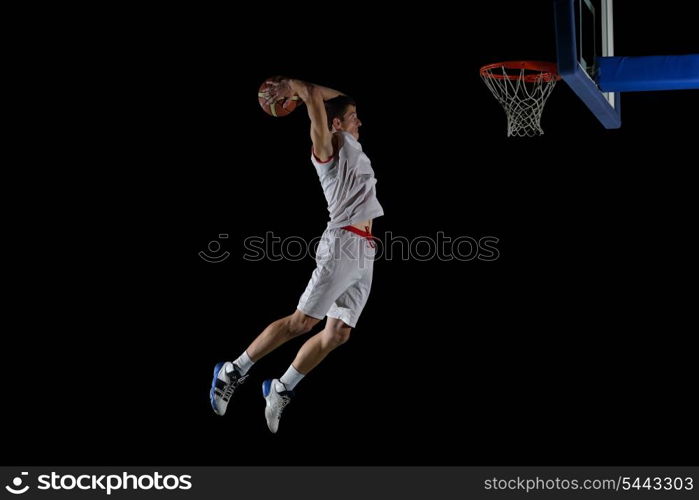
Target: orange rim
[(541, 70)]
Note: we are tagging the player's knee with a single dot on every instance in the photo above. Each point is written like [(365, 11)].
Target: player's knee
[(300, 323), (339, 335)]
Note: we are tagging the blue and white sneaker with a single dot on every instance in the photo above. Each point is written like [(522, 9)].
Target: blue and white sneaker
[(227, 378), (276, 398)]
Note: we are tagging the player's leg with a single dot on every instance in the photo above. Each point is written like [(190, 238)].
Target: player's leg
[(278, 392), (342, 317), (314, 303), (315, 349), (229, 375), (279, 332), (352, 274), (338, 269), (338, 280)]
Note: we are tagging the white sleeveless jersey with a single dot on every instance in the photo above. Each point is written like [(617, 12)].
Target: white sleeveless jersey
[(348, 184)]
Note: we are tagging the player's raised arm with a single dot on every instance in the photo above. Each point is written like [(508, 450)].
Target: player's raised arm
[(313, 96)]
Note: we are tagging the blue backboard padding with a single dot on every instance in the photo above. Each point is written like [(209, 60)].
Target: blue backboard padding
[(569, 69), (629, 74)]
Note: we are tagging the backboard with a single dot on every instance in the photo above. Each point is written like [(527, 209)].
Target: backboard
[(584, 33)]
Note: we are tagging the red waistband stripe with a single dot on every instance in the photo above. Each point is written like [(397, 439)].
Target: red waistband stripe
[(363, 234)]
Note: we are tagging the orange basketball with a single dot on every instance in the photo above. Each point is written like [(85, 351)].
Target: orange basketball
[(279, 108)]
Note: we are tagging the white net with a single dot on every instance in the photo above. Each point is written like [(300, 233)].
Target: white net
[(522, 93)]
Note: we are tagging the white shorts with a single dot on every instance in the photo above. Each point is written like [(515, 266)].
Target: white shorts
[(341, 281)]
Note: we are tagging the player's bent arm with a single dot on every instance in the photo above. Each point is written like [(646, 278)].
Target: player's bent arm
[(314, 96), (303, 89)]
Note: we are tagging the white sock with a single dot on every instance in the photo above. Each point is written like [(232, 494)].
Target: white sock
[(291, 378), (244, 363)]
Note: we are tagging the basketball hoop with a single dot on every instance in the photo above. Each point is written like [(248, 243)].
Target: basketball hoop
[(521, 87)]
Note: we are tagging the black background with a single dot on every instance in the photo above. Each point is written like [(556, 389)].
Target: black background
[(571, 348)]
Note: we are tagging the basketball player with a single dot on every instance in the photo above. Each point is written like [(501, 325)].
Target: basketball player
[(340, 284)]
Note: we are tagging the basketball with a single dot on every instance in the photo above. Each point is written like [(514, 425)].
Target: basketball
[(279, 108)]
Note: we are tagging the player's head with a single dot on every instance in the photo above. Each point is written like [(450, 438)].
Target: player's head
[(342, 115)]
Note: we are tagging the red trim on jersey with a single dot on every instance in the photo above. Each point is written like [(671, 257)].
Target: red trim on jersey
[(318, 159), (364, 234)]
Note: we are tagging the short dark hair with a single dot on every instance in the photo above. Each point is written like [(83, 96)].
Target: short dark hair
[(337, 107)]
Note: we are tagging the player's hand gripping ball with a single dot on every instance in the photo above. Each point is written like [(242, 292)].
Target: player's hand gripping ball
[(276, 97)]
